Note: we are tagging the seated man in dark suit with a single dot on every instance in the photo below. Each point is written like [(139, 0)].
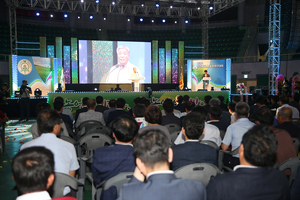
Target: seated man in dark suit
[(223, 106), (192, 151), (100, 107), (110, 161), (189, 106), (169, 118), (285, 122), (255, 177), (33, 172), (226, 117), (215, 114), (58, 106), (153, 156), (112, 107), (118, 112), (180, 106), (83, 109)]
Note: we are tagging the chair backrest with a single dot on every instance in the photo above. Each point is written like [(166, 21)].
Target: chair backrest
[(89, 124), (68, 139), (99, 129), (173, 127), (117, 181), (210, 143), (293, 164), (61, 181), (296, 144), (198, 171), (222, 134), (174, 135), (221, 155), (296, 121), (93, 141)]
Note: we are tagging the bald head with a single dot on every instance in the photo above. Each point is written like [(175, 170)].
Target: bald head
[(285, 115), (91, 104)]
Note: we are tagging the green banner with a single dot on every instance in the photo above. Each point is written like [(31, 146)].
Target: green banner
[(73, 101)]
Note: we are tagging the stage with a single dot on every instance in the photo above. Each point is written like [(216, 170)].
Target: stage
[(73, 99)]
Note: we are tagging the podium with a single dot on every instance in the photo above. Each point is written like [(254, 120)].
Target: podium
[(206, 82), (135, 82)]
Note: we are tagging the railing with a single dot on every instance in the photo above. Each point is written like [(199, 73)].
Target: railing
[(283, 57)]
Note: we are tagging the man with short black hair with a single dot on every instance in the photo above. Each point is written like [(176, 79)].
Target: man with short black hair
[(100, 107), (138, 113), (285, 122), (179, 105), (255, 177), (236, 99), (215, 114), (58, 106), (110, 161), (225, 118), (65, 111), (207, 98), (118, 112), (83, 109), (192, 151), (153, 156), (223, 106), (112, 107), (169, 118), (49, 124)]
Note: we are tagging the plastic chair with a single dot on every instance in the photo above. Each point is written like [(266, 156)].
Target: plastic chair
[(62, 180), (99, 129), (221, 156), (210, 143), (68, 139), (293, 164), (174, 135), (198, 171), (173, 127), (296, 121), (296, 144), (85, 126), (117, 181)]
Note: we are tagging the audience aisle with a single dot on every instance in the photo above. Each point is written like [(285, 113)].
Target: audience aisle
[(16, 134)]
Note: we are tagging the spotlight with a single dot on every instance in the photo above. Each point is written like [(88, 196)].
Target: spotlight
[(97, 1), (91, 16), (175, 22), (81, 1), (163, 20), (104, 17), (198, 8), (65, 15), (51, 15), (78, 17), (37, 92), (186, 21), (113, 2), (100, 29), (128, 19), (171, 6), (211, 7), (152, 20), (37, 14), (141, 19), (157, 4), (142, 4)]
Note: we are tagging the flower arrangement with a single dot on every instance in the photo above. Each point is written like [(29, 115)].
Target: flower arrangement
[(279, 78)]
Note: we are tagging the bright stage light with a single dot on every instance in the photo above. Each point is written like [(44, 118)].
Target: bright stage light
[(152, 20), (175, 22), (65, 15), (211, 7), (157, 4), (91, 16), (163, 20), (128, 19), (51, 15), (37, 14), (186, 21), (78, 17), (141, 19), (97, 1)]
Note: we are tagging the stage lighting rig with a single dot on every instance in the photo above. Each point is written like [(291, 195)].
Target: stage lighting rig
[(91, 16), (157, 4), (37, 92)]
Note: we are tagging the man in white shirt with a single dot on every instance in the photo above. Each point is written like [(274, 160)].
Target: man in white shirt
[(49, 124), (284, 102)]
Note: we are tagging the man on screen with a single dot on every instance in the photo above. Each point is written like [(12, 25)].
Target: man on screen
[(121, 72)]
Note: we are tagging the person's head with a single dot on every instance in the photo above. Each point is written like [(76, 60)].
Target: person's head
[(193, 126), (254, 96), (264, 116), (269, 98), (24, 82), (258, 147), (137, 100), (242, 110), (134, 70), (179, 99), (214, 102), (112, 103), (205, 71), (99, 99), (33, 169), (123, 53), (91, 104), (215, 113), (125, 128), (84, 101), (139, 110), (4, 86), (201, 110), (58, 106), (231, 107), (207, 98), (120, 103), (49, 121), (189, 106), (236, 99), (153, 115), (275, 99), (146, 102), (285, 114), (221, 98), (260, 100), (151, 149), (42, 106), (59, 98), (283, 100), (186, 98), (168, 106)]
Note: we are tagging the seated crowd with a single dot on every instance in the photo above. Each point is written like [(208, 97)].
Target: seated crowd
[(154, 143)]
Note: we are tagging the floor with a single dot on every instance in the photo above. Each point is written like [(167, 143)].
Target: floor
[(16, 134)]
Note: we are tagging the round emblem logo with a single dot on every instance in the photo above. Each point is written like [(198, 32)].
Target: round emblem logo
[(24, 66)]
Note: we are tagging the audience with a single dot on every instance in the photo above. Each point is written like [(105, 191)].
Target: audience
[(260, 102), (58, 106), (112, 107), (153, 156), (169, 118), (231, 108), (254, 178), (207, 98), (285, 122), (49, 124), (236, 99), (215, 114), (33, 172), (65, 110), (153, 118), (111, 160), (285, 148), (226, 117), (189, 106), (235, 132), (83, 109), (192, 151), (284, 102), (99, 106), (138, 113), (179, 103), (120, 103), (274, 102), (223, 106)]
